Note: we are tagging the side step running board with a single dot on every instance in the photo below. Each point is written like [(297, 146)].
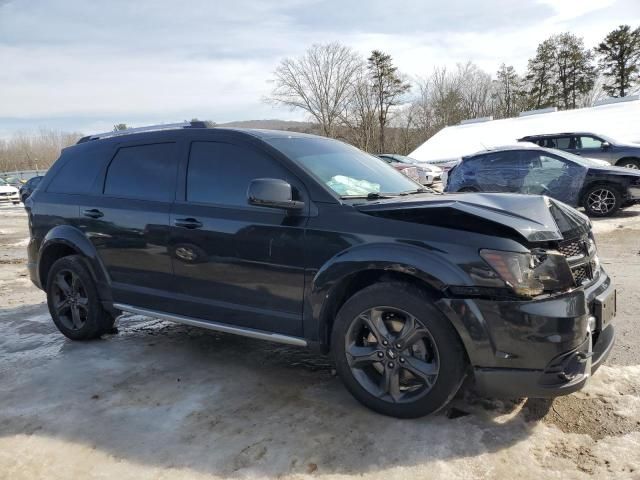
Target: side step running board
[(219, 327)]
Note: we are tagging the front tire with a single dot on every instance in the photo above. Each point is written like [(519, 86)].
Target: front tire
[(73, 300), (395, 352), (602, 201), (630, 163)]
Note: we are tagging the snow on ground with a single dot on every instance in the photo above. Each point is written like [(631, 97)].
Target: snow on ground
[(166, 401)]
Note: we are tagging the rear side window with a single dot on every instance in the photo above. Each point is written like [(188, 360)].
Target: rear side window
[(147, 172), (564, 142), (80, 170), (220, 173)]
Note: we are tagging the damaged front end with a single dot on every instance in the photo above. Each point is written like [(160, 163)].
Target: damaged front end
[(548, 327)]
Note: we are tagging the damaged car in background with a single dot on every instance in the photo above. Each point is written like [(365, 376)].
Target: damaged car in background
[(428, 172), (311, 242), (577, 181)]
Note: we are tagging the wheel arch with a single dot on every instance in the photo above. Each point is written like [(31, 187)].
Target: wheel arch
[(626, 159), (351, 271), (65, 240)]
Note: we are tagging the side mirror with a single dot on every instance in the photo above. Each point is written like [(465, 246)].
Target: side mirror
[(272, 192), (605, 145)]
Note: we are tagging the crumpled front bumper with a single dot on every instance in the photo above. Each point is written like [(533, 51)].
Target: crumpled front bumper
[(537, 348)]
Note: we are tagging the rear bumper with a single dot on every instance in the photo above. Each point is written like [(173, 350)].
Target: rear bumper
[(537, 348)]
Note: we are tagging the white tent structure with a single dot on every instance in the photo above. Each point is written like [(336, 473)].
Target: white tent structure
[(619, 119)]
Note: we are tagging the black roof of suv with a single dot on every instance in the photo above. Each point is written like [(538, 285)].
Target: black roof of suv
[(311, 242)]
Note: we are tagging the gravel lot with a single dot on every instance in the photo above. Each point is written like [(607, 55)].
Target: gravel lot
[(165, 401)]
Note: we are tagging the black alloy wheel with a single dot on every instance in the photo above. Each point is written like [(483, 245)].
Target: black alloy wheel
[(70, 299), (73, 300), (392, 355), (396, 352)]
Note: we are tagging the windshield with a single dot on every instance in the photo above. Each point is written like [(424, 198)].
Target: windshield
[(343, 168)]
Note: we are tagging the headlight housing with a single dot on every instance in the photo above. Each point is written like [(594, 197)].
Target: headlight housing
[(530, 274)]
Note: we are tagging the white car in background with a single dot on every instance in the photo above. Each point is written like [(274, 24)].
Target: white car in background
[(429, 172), (8, 193)]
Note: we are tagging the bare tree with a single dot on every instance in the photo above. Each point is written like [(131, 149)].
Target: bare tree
[(361, 115), (319, 82), (27, 151)]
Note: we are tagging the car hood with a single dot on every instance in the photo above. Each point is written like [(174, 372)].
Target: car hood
[(533, 217), (8, 189)]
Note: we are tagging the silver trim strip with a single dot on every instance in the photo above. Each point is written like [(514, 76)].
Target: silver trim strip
[(219, 327), (149, 128)]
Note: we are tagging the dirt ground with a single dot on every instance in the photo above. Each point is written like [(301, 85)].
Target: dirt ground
[(164, 401)]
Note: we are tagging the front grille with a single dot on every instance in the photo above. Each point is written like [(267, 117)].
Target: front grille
[(578, 255), (580, 274), (6, 194), (574, 248)]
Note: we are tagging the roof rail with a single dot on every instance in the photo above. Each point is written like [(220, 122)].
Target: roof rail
[(149, 128)]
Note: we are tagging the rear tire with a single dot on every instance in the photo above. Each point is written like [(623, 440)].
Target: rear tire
[(420, 367), (602, 200), (73, 300)]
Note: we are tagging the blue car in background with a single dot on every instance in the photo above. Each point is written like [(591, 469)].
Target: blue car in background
[(577, 181)]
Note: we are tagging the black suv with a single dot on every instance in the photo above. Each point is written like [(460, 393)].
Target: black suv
[(309, 241), (591, 145)]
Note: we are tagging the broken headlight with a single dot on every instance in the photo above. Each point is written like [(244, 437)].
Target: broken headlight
[(530, 274)]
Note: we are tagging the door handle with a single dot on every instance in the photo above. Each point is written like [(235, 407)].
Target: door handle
[(93, 213), (190, 223)]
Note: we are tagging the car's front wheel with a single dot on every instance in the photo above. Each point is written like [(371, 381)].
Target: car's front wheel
[(73, 300), (395, 352), (602, 200), (630, 163)]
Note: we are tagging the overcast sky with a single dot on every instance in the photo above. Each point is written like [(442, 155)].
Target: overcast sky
[(84, 65)]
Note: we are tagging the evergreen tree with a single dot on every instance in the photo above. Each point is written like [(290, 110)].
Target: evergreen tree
[(541, 75), (388, 88), (619, 60)]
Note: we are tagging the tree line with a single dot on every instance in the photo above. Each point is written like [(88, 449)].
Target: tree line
[(370, 103)]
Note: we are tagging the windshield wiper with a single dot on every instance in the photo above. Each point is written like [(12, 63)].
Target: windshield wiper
[(371, 195), (417, 190)]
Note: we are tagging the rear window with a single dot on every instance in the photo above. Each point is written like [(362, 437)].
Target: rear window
[(82, 166), (147, 172)]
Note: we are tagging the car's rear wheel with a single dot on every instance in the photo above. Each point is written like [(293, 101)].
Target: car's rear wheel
[(73, 300), (396, 353), (602, 200), (630, 163)]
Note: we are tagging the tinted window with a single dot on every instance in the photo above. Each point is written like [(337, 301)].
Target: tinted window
[(562, 142), (590, 142), (82, 165), (145, 171), (220, 173)]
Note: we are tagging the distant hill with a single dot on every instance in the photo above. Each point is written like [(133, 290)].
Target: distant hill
[(273, 124)]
